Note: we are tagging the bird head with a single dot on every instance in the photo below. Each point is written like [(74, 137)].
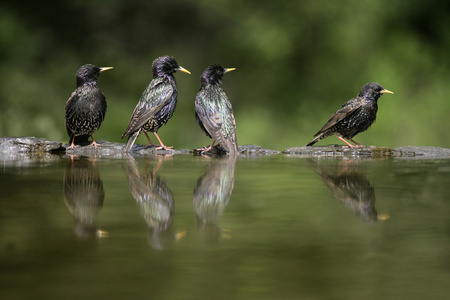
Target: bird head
[(89, 73), (165, 66), (213, 74), (373, 91)]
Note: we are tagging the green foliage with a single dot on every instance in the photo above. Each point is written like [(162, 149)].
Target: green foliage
[(297, 62)]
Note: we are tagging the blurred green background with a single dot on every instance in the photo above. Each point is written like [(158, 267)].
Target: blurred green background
[(297, 62)]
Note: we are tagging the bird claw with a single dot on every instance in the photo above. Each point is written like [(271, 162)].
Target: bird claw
[(95, 145), (72, 146), (163, 148), (205, 149), (208, 149)]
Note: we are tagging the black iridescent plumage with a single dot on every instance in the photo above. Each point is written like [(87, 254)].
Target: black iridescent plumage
[(212, 195), (84, 195), (154, 199), (213, 110), (157, 103), (86, 107), (355, 116), (348, 183)]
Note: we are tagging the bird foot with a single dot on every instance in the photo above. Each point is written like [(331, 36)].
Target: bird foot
[(72, 146), (95, 145), (356, 146), (206, 149), (209, 148), (162, 147)]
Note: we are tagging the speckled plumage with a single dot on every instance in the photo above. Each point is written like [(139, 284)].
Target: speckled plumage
[(354, 116), (213, 110), (157, 103), (86, 107)]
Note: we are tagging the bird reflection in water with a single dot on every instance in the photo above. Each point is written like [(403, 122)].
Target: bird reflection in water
[(83, 195), (154, 199), (347, 182), (211, 196)]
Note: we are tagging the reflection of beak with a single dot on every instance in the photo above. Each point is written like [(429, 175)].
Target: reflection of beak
[(102, 233), (183, 70), (386, 92), (180, 235), (105, 69), (383, 217), (229, 70)]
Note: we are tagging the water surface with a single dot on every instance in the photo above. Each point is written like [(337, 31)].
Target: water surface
[(188, 227)]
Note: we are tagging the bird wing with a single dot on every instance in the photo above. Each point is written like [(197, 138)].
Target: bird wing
[(347, 109), (216, 115), (207, 112), (70, 112), (157, 94), (228, 129)]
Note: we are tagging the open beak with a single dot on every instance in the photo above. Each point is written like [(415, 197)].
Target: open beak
[(105, 69), (183, 70), (229, 70), (386, 92)]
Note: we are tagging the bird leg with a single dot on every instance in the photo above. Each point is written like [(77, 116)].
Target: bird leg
[(149, 141), (348, 144), (209, 148), (72, 145), (356, 143), (163, 147), (94, 143), (158, 165)]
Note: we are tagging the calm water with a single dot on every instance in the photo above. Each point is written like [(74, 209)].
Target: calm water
[(185, 227)]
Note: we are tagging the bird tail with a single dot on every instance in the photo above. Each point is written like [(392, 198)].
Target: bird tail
[(130, 142), (233, 151), (316, 139), (82, 139), (229, 144)]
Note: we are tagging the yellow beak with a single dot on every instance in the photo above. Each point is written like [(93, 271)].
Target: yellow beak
[(105, 69), (183, 70), (386, 92), (229, 70)]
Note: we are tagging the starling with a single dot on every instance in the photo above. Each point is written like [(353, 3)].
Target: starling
[(86, 107), (154, 199), (212, 194), (351, 187), (83, 195), (354, 116), (213, 110), (157, 103)]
